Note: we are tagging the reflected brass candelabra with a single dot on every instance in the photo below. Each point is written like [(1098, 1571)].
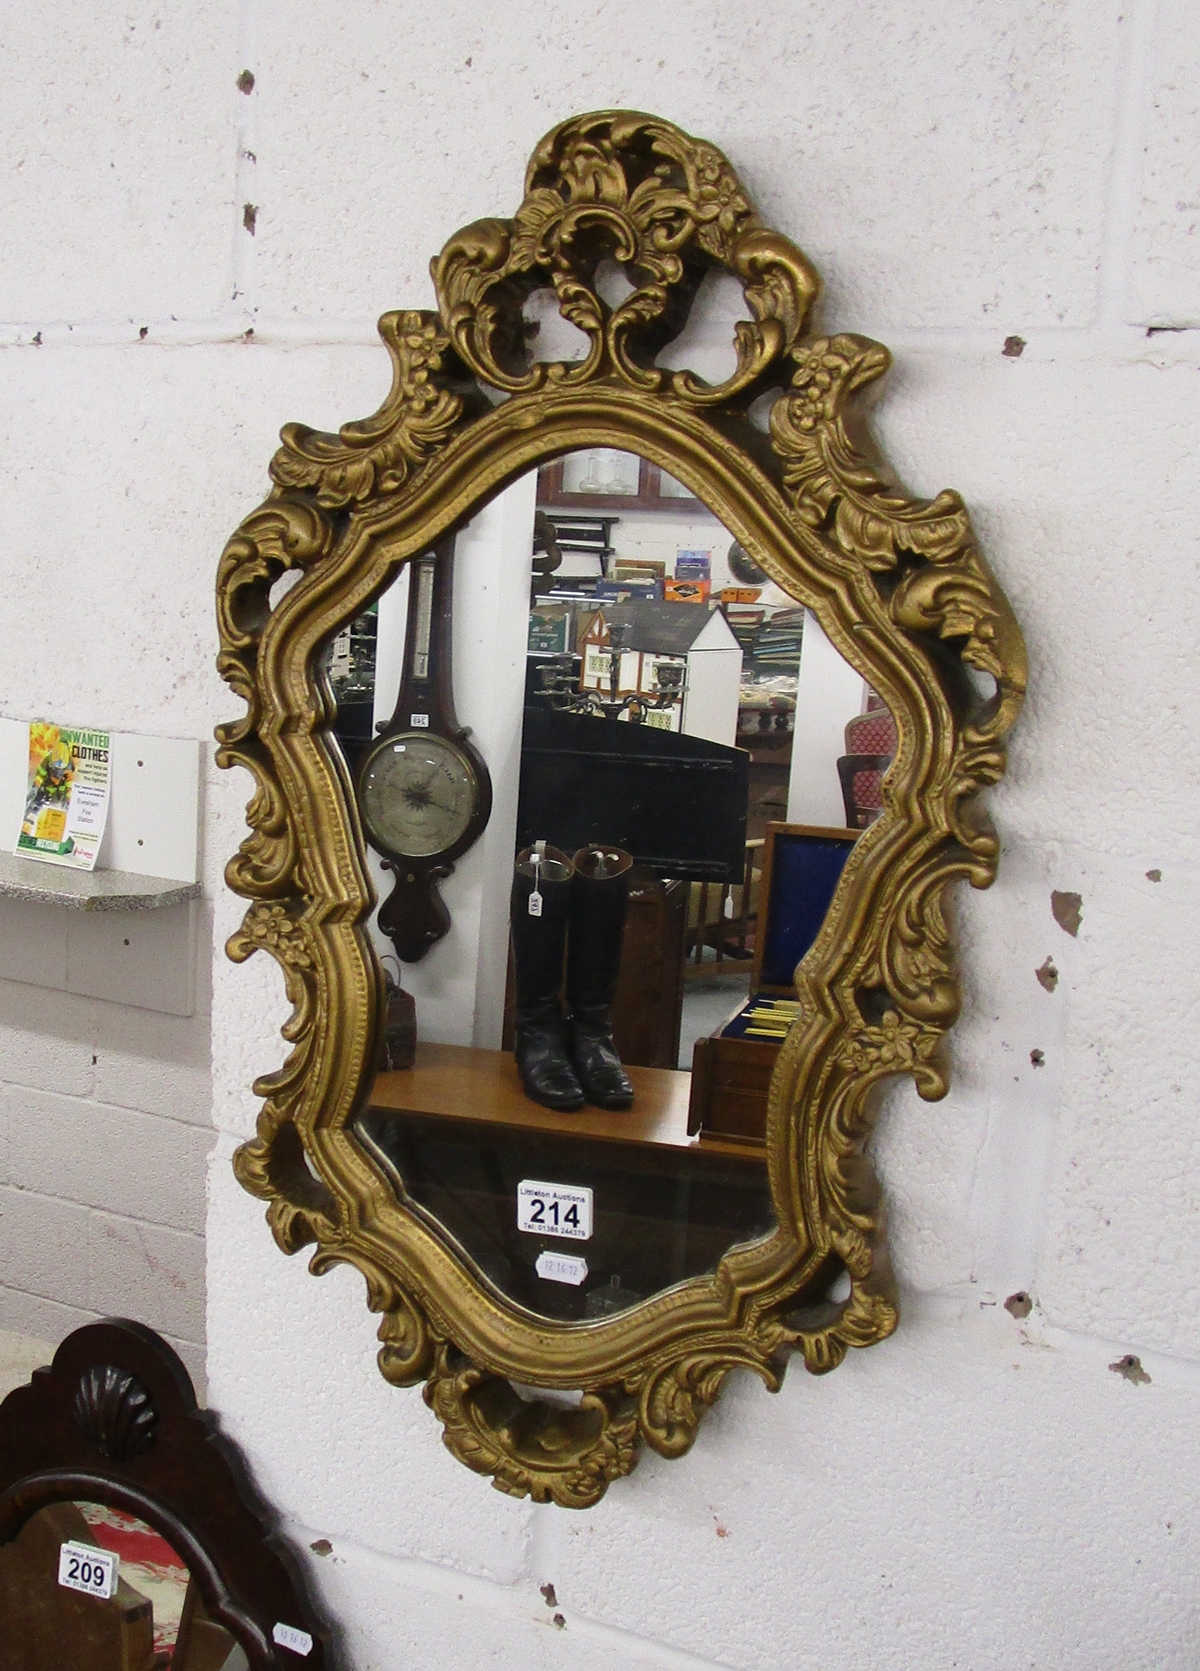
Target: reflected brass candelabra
[(557, 676)]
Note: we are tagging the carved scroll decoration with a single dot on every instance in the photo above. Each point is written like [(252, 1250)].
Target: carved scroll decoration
[(900, 588)]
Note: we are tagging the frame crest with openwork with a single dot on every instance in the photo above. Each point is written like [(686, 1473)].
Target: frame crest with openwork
[(901, 590)]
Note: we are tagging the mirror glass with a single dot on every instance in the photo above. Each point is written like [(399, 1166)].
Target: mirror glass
[(679, 763), (88, 1585)]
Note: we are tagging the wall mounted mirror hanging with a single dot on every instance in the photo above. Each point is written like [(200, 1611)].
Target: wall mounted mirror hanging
[(735, 695), (130, 1539)]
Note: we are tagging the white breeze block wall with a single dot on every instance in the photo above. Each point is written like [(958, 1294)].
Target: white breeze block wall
[(980, 1491)]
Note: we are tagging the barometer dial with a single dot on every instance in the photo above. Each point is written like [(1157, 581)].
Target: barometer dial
[(424, 794), (418, 794)]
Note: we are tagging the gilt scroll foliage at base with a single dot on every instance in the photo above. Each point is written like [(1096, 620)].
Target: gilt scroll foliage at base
[(901, 590)]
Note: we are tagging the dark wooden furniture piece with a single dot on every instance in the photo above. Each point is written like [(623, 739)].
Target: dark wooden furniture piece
[(114, 1420), (457, 1134), (582, 535), (676, 803), (649, 495), (721, 919), (870, 749), (648, 1007), (861, 777), (731, 1072), (770, 768)]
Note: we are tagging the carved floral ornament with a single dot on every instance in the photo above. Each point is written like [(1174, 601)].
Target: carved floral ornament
[(901, 590)]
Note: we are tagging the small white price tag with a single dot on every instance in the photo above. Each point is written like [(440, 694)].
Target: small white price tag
[(554, 1209), (92, 1571), (539, 859), (419, 722), (561, 1267), (287, 1636)]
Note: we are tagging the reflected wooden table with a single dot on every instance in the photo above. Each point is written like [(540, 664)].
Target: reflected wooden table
[(456, 1135)]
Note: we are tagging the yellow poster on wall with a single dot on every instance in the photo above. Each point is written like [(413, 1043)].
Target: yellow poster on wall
[(66, 797)]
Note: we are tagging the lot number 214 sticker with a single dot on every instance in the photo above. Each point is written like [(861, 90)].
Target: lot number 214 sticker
[(554, 1209)]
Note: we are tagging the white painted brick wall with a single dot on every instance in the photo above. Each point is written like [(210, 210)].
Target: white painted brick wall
[(105, 1156), (116, 138), (105, 1130), (976, 1492), (1165, 287)]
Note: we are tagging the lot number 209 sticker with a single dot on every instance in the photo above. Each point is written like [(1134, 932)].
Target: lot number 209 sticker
[(554, 1209), (84, 1567)]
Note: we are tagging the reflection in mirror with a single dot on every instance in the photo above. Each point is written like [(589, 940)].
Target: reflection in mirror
[(86, 1585), (585, 1116)]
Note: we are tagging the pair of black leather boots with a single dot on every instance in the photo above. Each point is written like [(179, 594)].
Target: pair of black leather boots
[(567, 1060)]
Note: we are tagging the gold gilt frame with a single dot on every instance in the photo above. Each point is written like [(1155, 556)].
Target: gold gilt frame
[(900, 588)]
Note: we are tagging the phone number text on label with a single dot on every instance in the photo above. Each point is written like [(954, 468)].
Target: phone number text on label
[(554, 1209)]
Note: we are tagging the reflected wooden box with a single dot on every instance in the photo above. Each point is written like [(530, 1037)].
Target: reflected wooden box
[(44, 1627), (731, 1071)]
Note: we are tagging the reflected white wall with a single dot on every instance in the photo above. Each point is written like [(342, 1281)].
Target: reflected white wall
[(459, 985), (828, 693)]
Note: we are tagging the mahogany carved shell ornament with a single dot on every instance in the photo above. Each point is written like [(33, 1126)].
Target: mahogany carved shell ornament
[(780, 453)]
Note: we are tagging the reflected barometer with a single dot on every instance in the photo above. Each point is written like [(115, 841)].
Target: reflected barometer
[(424, 792)]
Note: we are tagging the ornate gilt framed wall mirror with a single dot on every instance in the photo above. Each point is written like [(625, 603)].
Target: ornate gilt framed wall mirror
[(733, 694)]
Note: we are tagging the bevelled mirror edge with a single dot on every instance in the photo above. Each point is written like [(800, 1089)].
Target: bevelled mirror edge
[(899, 587)]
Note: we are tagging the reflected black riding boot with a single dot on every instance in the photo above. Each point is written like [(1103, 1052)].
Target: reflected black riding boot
[(541, 1046), (599, 892)]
